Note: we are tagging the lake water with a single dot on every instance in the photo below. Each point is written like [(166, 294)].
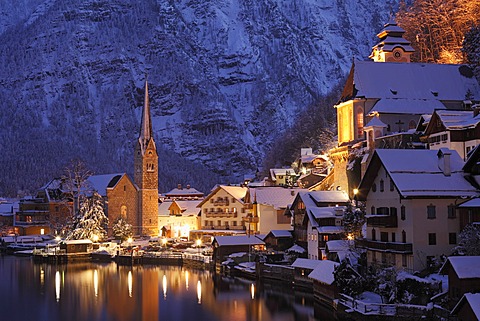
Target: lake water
[(106, 291)]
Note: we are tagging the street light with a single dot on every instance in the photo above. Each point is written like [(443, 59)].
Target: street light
[(164, 242), (355, 192)]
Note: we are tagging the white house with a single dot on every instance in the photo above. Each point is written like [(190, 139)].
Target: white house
[(411, 197)]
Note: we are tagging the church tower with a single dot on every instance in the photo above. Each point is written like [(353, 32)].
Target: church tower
[(146, 174), (392, 46)]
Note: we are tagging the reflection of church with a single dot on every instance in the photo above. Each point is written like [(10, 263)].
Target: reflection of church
[(387, 97)]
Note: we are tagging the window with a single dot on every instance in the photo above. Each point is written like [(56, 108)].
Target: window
[(451, 211), (393, 211), (402, 212), (431, 212), (219, 223), (432, 239), (384, 257), (392, 186), (383, 211), (374, 237), (382, 185), (384, 236), (374, 187), (404, 237), (372, 210), (393, 237), (404, 260), (452, 238)]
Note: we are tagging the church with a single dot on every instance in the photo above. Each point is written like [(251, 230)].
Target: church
[(388, 96)]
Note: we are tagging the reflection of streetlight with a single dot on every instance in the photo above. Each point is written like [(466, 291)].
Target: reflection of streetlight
[(199, 243)]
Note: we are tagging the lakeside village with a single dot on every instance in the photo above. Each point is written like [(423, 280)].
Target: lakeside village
[(384, 225)]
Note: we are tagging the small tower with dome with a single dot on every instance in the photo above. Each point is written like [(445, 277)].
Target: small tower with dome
[(392, 46)]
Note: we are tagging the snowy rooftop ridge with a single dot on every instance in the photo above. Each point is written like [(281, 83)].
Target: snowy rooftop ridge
[(238, 240), (324, 272), (466, 267)]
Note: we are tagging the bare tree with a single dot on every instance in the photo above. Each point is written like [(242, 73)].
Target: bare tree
[(436, 28)]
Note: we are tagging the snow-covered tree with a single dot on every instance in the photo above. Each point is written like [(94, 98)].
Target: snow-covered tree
[(471, 48), (122, 230), (91, 220), (386, 284), (468, 241), (348, 280), (353, 221)]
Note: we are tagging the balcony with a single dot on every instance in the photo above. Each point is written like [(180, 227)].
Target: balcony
[(217, 214), (382, 220), (405, 248)]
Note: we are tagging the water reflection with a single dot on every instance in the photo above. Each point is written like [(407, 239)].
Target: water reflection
[(130, 283), (88, 291), (199, 292)]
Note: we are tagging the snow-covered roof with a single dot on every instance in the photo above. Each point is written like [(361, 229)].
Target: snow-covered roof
[(189, 207), (414, 81), (164, 208), (330, 229), (419, 173), (100, 183), (238, 240), (375, 122), (281, 233), (329, 196), (473, 300), (471, 203), (278, 197), (457, 119), (311, 157), (236, 191), (6, 208), (305, 263), (466, 267), (184, 192), (339, 245), (83, 241), (324, 272), (326, 212), (296, 248), (409, 106)]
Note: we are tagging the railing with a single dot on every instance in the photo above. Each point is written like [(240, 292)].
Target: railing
[(222, 227), (368, 308), (221, 214), (39, 222), (382, 220), (385, 246)]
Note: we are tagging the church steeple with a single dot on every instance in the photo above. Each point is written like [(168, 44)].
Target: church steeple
[(392, 46), (146, 173), (146, 123)]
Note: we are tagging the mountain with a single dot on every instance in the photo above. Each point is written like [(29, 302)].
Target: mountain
[(225, 78)]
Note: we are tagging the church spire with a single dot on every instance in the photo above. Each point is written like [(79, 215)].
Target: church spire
[(146, 122), (392, 47)]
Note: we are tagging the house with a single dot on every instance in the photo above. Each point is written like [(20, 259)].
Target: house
[(282, 177), (340, 250), (463, 277), (177, 217), (278, 240), (302, 209), (226, 245), (7, 213), (395, 92), (186, 192), (269, 204), (309, 162), (76, 246), (454, 129), (411, 197), (224, 209), (468, 308), (302, 268), (324, 289)]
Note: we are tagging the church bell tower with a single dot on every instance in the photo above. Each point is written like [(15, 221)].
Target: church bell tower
[(146, 173)]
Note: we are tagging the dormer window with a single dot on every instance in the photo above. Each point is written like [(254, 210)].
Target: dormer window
[(393, 91), (434, 93)]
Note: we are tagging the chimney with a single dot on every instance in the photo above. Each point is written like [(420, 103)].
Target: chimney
[(188, 186), (444, 161), (179, 186)]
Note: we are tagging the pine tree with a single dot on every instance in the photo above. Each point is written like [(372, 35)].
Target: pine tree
[(91, 220), (122, 230), (469, 241), (471, 48), (353, 221)]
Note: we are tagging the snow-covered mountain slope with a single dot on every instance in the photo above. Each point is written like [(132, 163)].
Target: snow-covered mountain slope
[(225, 77)]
